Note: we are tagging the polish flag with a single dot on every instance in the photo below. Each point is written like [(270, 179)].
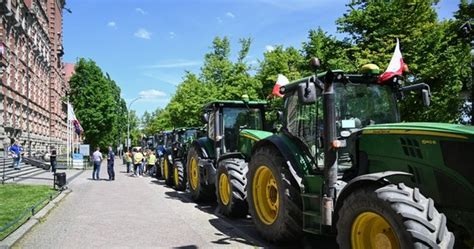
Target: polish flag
[(281, 81), (73, 119), (396, 66)]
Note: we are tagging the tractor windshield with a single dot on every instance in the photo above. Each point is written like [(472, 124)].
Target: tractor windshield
[(236, 118), (359, 105)]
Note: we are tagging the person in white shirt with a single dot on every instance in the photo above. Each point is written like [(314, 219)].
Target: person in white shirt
[(97, 158)]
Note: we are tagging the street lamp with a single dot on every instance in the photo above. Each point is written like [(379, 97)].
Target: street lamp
[(128, 122)]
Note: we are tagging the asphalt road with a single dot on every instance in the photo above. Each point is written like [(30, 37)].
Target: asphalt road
[(135, 212)]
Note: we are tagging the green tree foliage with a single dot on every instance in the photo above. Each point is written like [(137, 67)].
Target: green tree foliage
[(430, 48), (98, 105)]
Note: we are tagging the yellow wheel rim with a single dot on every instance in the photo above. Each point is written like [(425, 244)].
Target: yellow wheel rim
[(194, 173), (176, 180), (370, 230), (265, 195), (224, 189), (165, 169)]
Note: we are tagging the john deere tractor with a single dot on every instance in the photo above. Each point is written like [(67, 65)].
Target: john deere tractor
[(183, 138), (343, 165), (216, 166), (164, 149)]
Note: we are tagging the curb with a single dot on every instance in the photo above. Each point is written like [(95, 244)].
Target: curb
[(14, 237)]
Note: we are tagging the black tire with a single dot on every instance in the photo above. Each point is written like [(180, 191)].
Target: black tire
[(201, 192), (168, 174), (235, 170), (412, 217), (180, 182), (288, 223), (158, 173)]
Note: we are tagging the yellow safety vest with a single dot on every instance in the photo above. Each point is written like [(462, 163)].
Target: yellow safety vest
[(128, 158), (152, 159), (137, 159)]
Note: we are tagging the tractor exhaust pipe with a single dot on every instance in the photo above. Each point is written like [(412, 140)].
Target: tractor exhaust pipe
[(330, 153)]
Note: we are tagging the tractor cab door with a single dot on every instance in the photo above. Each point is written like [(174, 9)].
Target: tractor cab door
[(234, 119)]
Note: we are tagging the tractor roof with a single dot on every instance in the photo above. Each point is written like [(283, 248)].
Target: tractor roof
[(235, 103), (344, 77), (182, 129)]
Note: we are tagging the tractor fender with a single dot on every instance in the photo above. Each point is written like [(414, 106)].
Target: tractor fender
[(205, 147), (291, 163), (231, 155), (379, 179)]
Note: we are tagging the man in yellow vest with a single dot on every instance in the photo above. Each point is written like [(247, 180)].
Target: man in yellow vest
[(128, 160), (151, 160), (137, 161)]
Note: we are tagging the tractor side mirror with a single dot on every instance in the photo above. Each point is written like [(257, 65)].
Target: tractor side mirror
[(280, 117), (425, 95), (205, 117), (307, 93)]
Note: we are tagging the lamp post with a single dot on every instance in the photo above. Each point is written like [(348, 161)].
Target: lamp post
[(128, 122)]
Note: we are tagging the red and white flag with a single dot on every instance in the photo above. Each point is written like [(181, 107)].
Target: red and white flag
[(281, 81), (396, 65)]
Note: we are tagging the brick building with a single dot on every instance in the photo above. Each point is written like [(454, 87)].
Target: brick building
[(32, 84)]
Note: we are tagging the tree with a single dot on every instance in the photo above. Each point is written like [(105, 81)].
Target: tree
[(98, 105), (428, 46)]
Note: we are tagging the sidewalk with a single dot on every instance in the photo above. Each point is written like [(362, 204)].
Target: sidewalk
[(130, 212)]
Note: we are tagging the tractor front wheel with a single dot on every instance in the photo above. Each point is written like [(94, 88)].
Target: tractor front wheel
[(274, 203), (392, 216), (231, 185), (198, 189), (179, 176), (167, 172)]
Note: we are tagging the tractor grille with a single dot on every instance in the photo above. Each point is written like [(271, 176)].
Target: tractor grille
[(411, 147), (459, 156)]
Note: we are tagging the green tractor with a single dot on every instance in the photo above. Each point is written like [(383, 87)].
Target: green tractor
[(183, 138), (343, 165), (163, 148), (216, 166)]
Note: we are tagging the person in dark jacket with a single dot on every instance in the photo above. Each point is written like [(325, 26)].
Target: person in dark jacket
[(110, 164), (52, 159)]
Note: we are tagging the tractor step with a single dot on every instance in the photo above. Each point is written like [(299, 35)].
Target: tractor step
[(311, 214)]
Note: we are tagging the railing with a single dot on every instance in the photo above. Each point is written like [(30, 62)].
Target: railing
[(27, 214)]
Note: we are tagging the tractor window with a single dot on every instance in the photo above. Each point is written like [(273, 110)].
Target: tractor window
[(236, 118), (365, 105), (301, 121), (211, 125)]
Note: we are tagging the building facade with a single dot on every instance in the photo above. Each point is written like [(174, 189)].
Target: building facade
[(32, 84)]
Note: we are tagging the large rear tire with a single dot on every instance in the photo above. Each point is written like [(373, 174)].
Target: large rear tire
[(275, 205), (179, 176), (231, 186), (198, 189), (392, 216), (167, 171)]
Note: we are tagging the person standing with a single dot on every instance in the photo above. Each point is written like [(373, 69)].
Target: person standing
[(52, 159), (128, 160), (137, 162), (151, 160), (110, 164), (97, 158), (15, 151)]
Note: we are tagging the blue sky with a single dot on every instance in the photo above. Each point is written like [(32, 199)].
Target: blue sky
[(146, 45)]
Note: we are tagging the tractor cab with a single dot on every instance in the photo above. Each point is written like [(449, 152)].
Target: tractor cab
[(359, 100), (225, 120)]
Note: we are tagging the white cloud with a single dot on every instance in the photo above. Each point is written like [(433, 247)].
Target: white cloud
[(230, 15), (162, 77), (219, 20), (143, 33), (112, 24), (172, 34), (141, 11), (152, 94), (269, 48), (175, 64)]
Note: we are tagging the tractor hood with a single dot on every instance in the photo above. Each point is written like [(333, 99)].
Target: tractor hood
[(248, 138), (419, 128)]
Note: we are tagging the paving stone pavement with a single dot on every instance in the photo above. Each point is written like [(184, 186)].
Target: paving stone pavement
[(132, 212)]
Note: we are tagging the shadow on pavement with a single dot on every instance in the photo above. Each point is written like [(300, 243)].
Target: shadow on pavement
[(186, 247), (231, 232)]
